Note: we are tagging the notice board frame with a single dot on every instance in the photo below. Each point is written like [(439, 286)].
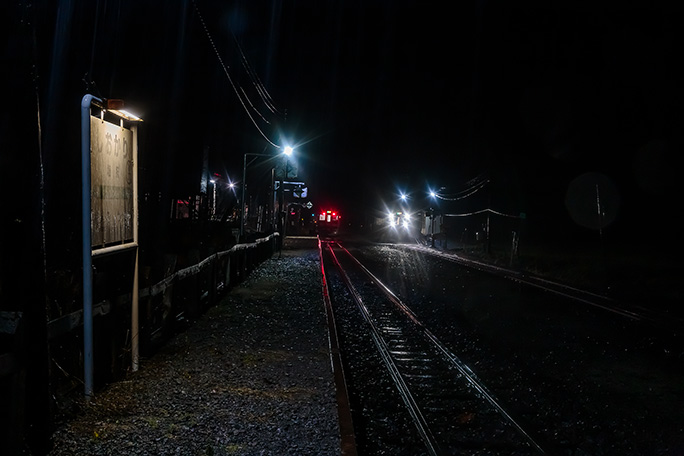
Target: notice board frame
[(87, 102)]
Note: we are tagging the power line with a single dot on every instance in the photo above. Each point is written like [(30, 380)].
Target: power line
[(230, 79), (482, 211), (252, 106), (473, 186), (461, 195), (254, 77)]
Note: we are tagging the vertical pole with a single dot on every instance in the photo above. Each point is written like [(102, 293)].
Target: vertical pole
[(488, 241), (213, 201), (204, 181), (282, 189), (242, 210), (271, 217), (86, 247), (432, 228), (135, 347), (599, 212), (281, 214)]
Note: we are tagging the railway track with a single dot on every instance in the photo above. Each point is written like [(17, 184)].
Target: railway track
[(451, 409), (631, 312)]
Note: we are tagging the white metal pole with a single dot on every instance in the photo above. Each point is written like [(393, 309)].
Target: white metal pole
[(242, 210), (135, 347), (86, 246)]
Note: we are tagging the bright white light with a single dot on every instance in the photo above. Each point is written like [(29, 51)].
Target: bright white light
[(126, 115), (212, 181), (288, 150), (433, 194), (403, 197), (406, 224)]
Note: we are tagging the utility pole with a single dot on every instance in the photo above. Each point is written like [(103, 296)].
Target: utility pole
[(242, 199), (432, 227)]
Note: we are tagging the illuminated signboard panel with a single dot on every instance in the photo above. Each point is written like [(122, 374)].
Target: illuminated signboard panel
[(111, 155)]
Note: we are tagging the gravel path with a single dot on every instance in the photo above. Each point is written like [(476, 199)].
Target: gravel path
[(251, 377)]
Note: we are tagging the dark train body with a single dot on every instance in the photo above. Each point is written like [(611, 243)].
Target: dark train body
[(328, 223)]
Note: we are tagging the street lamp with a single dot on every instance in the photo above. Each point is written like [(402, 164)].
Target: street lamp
[(282, 219), (287, 151), (213, 199), (433, 195)]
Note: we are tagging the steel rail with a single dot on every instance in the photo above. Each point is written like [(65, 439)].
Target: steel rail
[(470, 376), (347, 437), (404, 391), (586, 297)]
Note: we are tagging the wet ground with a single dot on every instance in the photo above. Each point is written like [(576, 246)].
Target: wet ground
[(251, 377), (586, 381)]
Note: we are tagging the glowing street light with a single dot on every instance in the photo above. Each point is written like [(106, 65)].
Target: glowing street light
[(287, 151)]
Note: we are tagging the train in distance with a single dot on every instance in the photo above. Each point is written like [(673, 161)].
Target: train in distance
[(329, 221)]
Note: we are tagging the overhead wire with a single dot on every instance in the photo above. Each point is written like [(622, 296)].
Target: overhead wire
[(225, 68), (482, 211), (473, 186), (254, 77), (252, 106), (460, 195)]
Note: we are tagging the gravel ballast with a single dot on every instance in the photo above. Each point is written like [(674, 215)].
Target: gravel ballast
[(251, 377)]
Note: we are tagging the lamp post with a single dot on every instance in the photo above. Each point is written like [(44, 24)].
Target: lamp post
[(212, 215), (287, 151), (433, 195), (282, 214)]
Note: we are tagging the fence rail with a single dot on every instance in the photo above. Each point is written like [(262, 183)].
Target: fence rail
[(181, 295), (235, 267)]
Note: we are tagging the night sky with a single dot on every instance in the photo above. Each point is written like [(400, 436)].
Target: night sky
[(388, 96), (378, 96)]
